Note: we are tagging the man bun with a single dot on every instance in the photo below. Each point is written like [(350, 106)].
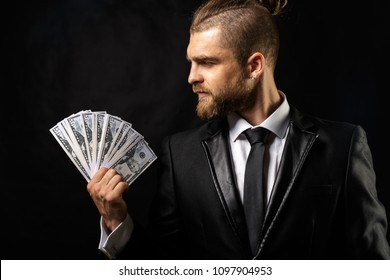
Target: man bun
[(274, 6)]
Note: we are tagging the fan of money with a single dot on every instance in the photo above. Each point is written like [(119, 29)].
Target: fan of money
[(94, 139)]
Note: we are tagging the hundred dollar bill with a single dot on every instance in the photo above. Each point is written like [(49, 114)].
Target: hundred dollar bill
[(62, 139), (99, 122), (135, 161), (78, 136), (67, 132), (129, 139), (87, 118), (122, 130), (94, 142), (110, 129)]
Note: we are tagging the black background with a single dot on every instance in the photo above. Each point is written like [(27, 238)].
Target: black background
[(128, 58)]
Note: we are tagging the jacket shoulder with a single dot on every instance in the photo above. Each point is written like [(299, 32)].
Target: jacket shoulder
[(308, 122), (200, 132)]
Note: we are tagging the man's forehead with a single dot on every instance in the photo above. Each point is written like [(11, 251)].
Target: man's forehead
[(205, 43), (208, 34)]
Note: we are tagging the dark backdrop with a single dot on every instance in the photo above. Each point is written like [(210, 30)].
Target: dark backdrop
[(128, 58)]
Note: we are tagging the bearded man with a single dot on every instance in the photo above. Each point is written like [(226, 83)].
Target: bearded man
[(319, 198)]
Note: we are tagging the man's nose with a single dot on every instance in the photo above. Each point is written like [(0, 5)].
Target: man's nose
[(194, 76)]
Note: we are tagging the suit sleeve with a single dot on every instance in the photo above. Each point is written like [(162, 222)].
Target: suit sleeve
[(365, 219)]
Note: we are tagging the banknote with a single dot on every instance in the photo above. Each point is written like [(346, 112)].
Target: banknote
[(78, 136), (134, 161), (109, 130), (127, 141), (95, 139), (63, 140), (87, 119)]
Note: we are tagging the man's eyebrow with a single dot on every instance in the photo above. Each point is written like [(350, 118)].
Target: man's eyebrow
[(202, 58)]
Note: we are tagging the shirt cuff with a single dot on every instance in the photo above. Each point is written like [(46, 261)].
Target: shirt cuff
[(112, 243)]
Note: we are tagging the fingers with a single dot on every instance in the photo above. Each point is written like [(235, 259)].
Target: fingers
[(120, 188), (114, 181), (98, 175), (111, 178), (104, 182)]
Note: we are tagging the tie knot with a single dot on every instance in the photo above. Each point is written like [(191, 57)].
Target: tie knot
[(257, 135)]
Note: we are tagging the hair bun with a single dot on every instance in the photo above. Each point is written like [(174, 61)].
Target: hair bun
[(274, 6)]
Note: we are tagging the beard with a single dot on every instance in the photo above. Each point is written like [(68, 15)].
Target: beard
[(231, 98)]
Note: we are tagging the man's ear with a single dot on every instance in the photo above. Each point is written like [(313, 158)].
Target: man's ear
[(256, 64)]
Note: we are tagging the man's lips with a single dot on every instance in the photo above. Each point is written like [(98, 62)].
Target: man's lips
[(202, 94), (200, 91)]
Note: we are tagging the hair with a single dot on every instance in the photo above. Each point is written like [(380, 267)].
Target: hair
[(247, 26)]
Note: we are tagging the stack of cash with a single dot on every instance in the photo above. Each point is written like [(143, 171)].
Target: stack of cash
[(98, 139)]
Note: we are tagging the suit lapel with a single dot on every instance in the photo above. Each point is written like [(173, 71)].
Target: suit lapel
[(298, 143), (218, 154)]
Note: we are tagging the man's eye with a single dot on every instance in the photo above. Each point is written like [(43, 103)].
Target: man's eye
[(208, 62)]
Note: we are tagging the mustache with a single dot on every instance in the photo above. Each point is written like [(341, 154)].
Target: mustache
[(199, 88)]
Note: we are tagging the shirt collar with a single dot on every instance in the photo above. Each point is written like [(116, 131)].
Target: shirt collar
[(277, 122)]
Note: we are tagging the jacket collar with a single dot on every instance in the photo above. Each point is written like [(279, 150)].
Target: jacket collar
[(277, 122)]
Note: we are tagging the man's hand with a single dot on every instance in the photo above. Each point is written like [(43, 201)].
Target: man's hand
[(106, 189)]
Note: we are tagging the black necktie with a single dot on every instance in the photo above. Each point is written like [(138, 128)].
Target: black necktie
[(254, 193)]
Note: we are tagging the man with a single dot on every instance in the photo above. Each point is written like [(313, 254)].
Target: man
[(320, 194)]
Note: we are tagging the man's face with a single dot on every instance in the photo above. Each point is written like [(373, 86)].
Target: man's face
[(220, 82)]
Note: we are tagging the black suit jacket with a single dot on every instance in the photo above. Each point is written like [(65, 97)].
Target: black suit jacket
[(324, 203)]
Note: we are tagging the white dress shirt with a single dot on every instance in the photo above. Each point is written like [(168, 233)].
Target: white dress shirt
[(277, 123)]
